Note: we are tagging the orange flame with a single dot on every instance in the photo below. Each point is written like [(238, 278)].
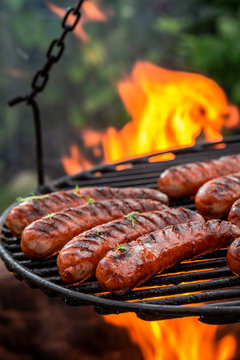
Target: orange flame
[(169, 109), (180, 339), (90, 13), (75, 162)]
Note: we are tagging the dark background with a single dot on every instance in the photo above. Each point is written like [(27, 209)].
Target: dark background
[(194, 35)]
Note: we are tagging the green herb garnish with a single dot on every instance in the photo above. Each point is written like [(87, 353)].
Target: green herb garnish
[(131, 216), (90, 200), (120, 247), (169, 226), (76, 192), (32, 197), (49, 216), (99, 232)]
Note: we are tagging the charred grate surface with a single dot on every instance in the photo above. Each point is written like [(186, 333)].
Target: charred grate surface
[(204, 287)]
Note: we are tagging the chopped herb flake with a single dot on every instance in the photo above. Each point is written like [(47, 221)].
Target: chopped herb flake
[(99, 232), (131, 216), (120, 247), (77, 191), (49, 216), (169, 226), (32, 197), (90, 200)]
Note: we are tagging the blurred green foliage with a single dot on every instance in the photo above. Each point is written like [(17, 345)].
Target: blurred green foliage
[(193, 35)]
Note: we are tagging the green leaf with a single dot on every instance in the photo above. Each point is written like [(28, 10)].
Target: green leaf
[(77, 191), (120, 247), (90, 200), (49, 216), (131, 217), (32, 197)]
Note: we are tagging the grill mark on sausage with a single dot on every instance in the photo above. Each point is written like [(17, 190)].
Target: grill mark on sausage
[(185, 180), (159, 250), (234, 214), (233, 257), (176, 216), (215, 198), (150, 218), (31, 210), (224, 185), (85, 244), (186, 213), (77, 261), (74, 221), (235, 179)]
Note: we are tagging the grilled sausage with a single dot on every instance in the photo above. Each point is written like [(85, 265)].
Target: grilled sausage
[(234, 214), (233, 256), (215, 198), (78, 260), (39, 206), (48, 235), (121, 270), (184, 180)]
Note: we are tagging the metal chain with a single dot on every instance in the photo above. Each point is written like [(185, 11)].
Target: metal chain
[(41, 78)]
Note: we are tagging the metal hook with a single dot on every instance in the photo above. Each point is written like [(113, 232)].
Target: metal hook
[(38, 132)]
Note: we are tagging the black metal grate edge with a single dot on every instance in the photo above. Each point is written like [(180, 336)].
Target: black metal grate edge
[(175, 292)]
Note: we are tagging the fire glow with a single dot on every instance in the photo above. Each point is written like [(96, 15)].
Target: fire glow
[(169, 110), (177, 339)]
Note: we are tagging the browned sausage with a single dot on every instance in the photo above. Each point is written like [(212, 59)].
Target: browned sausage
[(184, 180), (121, 270), (78, 260), (233, 256), (48, 235), (39, 206), (234, 214), (215, 198)]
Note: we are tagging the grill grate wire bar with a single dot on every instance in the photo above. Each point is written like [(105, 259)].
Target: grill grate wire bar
[(207, 281)]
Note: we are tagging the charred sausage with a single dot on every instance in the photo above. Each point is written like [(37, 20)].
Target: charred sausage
[(121, 270), (78, 260), (48, 235), (234, 214), (184, 180), (36, 207), (233, 256), (215, 198)]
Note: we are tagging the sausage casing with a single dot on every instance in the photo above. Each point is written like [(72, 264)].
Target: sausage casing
[(184, 180), (78, 260), (234, 214), (215, 198), (233, 256), (39, 206), (48, 235), (119, 271)]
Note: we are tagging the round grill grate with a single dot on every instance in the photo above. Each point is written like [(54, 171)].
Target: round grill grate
[(204, 287)]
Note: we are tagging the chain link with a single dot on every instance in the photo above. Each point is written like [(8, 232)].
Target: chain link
[(54, 52), (72, 12), (40, 79)]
